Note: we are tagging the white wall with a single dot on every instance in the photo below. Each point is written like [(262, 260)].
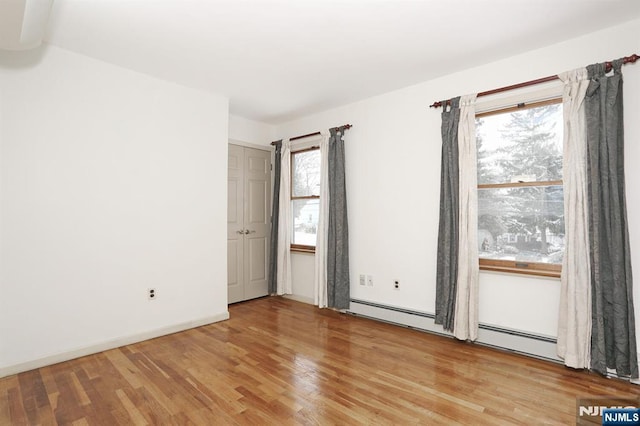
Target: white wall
[(243, 131), (393, 175), (302, 276), (112, 182)]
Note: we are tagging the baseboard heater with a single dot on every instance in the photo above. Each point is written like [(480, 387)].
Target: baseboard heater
[(534, 345)]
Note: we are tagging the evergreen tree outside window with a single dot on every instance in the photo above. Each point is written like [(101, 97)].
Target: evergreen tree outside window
[(520, 193)]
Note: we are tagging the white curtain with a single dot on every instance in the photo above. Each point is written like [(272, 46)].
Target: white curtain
[(574, 322), (320, 277), (465, 325), (284, 223)]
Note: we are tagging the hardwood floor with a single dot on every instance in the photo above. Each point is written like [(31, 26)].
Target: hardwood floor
[(277, 361)]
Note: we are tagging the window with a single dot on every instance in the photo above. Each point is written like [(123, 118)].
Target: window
[(520, 197), (305, 198)]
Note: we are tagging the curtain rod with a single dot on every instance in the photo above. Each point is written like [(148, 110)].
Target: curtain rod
[(626, 60), (344, 126)]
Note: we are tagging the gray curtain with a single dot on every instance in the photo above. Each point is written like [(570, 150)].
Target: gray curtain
[(447, 266), (613, 339), (338, 291), (275, 215)]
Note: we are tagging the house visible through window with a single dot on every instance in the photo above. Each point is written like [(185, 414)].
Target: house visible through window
[(305, 198), (520, 197)]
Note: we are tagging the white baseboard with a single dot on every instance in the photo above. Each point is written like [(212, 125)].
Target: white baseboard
[(109, 344), (534, 345), (303, 299)]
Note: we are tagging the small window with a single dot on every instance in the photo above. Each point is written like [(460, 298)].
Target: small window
[(305, 198), (520, 192)]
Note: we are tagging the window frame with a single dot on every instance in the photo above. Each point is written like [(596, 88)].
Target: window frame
[(512, 266), (301, 248)]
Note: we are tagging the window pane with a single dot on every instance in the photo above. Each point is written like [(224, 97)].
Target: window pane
[(522, 224), (306, 173), (305, 221), (520, 146)]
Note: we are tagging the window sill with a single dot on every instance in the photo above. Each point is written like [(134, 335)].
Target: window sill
[(303, 249), (535, 269)]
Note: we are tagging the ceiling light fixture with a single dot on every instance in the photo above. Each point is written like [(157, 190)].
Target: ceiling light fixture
[(23, 23)]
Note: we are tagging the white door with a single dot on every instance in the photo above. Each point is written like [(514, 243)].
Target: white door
[(248, 214)]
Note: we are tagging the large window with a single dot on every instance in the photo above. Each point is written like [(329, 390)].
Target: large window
[(520, 198), (305, 198)]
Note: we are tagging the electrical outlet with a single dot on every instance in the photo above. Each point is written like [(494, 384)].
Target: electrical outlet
[(396, 284), (370, 280), (362, 279), (151, 294)]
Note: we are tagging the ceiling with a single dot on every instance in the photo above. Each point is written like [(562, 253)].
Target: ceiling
[(280, 60)]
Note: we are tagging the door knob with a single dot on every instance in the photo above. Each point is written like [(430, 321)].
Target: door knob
[(249, 232), (240, 232)]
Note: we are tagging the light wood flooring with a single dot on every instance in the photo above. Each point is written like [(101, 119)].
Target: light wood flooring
[(277, 361)]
